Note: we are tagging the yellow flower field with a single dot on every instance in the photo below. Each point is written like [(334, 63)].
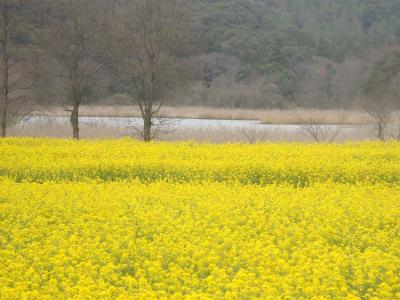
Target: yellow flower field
[(127, 220), (41, 160)]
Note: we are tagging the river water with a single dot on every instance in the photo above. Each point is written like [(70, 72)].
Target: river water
[(212, 124)]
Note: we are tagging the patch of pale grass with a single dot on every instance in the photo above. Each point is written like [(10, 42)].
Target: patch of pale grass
[(293, 116), (212, 135)]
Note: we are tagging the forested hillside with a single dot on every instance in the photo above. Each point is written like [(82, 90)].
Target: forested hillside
[(277, 40), (241, 53)]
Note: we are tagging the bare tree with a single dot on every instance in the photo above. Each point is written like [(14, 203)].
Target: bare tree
[(320, 131), (396, 136), (75, 41), (16, 64), (382, 92), (160, 126), (379, 107), (253, 135), (148, 37), (396, 91)]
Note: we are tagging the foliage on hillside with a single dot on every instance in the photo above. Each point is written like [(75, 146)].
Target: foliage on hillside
[(274, 38), (260, 53)]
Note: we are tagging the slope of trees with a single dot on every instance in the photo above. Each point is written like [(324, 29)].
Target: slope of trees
[(274, 38)]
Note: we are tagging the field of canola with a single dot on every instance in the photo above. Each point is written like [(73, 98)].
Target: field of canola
[(127, 220)]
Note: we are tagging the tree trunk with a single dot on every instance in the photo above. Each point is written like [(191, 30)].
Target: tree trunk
[(398, 135), (381, 128), (74, 119), (3, 125), (5, 75), (147, 127), (4, 100)]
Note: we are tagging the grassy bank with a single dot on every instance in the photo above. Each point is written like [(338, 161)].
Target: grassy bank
[(294, 116), (213, 135)]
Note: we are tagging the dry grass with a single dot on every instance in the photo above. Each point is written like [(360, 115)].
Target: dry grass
[(277, 134), (101, 131), (294, 116), (57, 130)]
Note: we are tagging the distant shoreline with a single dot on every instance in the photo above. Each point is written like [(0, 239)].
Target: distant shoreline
[(358, 120), (265, 116)]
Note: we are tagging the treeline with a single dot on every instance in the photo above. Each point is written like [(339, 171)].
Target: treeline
[(222, 53)]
